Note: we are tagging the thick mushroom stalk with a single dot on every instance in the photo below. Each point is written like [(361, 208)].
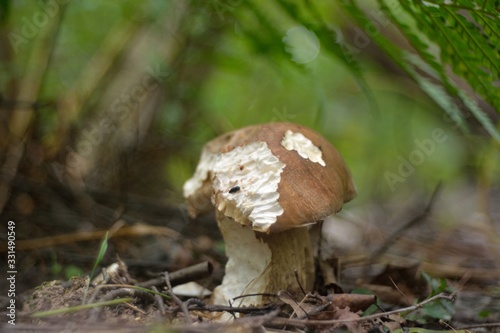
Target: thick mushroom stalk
[(260, 264), (267, 183)]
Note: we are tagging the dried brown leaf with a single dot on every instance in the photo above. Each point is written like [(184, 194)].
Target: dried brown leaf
[(300, 308), (354, 302)]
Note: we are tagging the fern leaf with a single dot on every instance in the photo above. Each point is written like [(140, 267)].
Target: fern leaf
[(462, 45)]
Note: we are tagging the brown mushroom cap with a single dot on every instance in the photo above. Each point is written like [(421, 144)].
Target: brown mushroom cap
[(309, 191)]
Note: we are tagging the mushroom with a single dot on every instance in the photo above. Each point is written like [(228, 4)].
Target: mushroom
[(267, 183)]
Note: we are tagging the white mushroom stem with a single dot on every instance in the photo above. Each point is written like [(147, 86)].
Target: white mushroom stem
[(260, 264)]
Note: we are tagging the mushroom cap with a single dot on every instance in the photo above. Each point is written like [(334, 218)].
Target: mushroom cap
[(273, 176)]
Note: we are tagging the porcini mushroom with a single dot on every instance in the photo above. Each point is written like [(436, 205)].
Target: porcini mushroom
[(267, 183)]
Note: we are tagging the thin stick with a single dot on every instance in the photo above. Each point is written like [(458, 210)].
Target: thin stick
[(298, 282), (177, 300), (254, 294), (283, 321), (398, 289), (98, 288), (224, 308), (246, 324), (468, 327), (188, 274), (159, 301)]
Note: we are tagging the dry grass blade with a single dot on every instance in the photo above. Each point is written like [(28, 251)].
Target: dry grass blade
[(80, 307)]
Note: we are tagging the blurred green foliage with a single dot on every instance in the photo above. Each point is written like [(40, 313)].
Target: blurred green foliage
[(370, 80), (439, 309)]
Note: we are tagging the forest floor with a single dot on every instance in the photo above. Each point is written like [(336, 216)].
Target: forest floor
[(426, 275)]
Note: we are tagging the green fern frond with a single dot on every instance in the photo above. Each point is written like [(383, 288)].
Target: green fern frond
[(422, 67), (434, 89), (456, 35), (463, 47), (444, 37), (479, 115)]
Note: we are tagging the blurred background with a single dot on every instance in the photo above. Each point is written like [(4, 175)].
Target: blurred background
[(105, 107)]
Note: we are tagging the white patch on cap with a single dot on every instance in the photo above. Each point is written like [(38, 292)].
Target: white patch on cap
[(245, 183), (304, 147), (206, 163)]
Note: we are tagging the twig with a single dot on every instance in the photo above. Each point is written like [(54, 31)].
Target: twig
[(159, 301), (244, 324), (134, 308), (188, 274), (298, 282), (287, 298), (105, 280), (398, 289), (260, 320), (444, 296), (468, 327), (397, 233), (224, 308), (254, 294), (176, 299)]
